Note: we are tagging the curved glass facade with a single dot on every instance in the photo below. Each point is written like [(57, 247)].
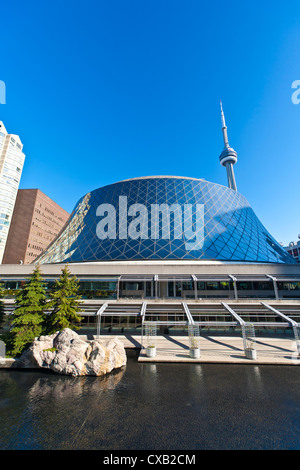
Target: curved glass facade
[(161, 218)]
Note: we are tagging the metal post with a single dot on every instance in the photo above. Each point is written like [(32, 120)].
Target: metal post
[(98, 325), (188, 314), (98, 314), (240, 321), (294, 324), (274, 285), (296, 334), (143, 312), (156, 285), (151, 331), (244, 337), (194, 340), (195, 286), (118, 289), (249, 341), (234, 286)]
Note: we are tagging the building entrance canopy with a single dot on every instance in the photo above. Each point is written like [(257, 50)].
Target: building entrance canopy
[(208, 315)]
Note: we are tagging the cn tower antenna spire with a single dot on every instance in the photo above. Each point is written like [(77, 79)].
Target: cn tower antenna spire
[(222, 115), (229, 156), (224, 128)]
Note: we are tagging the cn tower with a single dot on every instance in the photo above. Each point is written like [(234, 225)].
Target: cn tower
[(229, 156)]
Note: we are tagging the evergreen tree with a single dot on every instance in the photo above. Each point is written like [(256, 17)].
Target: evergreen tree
[(64, 304), (28, 316)]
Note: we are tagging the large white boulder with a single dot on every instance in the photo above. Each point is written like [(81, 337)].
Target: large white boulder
[(65, 353)]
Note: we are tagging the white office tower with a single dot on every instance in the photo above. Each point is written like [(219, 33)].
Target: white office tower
[(11, 166)]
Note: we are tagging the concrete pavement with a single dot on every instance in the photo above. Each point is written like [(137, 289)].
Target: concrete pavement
[(217, 349)]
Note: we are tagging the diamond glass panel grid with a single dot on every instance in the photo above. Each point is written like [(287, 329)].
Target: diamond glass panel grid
[(232, 231)]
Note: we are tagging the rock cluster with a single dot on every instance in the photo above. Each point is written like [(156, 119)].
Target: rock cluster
[(65, 353)]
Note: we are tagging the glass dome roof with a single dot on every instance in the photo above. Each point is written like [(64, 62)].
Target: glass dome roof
[(164, 218)]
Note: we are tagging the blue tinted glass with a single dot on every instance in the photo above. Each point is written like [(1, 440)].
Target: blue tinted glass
[(231, 232)]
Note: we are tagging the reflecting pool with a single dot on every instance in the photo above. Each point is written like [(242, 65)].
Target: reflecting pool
[(153, 407)]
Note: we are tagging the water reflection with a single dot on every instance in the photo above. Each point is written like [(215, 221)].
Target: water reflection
[(153, 406), (153, 369), (198, 371), (253, 386), (64, 388)]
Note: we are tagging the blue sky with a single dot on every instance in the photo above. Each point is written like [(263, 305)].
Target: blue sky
[(101, 91)]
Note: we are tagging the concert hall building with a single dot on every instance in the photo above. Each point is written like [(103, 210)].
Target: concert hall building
[(172, 250)]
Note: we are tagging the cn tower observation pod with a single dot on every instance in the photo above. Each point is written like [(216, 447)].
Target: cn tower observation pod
[(164, 218)]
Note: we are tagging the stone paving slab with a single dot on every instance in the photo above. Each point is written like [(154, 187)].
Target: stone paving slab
[(218, 349)]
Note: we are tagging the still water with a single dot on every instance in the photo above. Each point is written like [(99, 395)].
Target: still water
[(153, 407)]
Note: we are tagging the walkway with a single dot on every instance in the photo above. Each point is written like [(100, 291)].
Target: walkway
[(218, 349)]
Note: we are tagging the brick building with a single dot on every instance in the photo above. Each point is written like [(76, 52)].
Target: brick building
[(36, 221)]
